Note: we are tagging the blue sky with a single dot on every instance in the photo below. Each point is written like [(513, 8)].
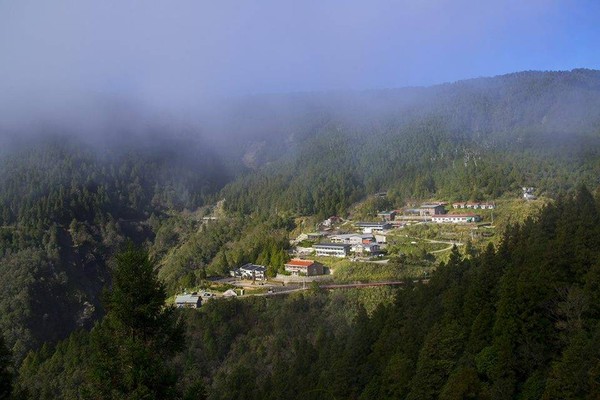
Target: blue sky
[(176, 52)]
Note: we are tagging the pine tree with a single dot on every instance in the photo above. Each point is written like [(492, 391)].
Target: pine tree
[(6, 376), (131, 346)]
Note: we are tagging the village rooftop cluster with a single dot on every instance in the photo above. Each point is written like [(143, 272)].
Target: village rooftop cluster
[(369, 242)]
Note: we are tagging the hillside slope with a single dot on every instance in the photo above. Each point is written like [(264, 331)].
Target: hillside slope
[(475, 139), (65, 208), (67, 203), (518, 321)]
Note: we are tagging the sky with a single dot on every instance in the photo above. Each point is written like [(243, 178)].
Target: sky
[(172, 54)]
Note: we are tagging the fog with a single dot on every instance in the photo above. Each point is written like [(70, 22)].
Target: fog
[(88, 64)]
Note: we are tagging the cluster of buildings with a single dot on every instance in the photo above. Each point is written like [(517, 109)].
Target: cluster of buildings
[(435, 212), (294, 267), (425, 212), (368, 242), (193, 300), (372, 235), (342, 245)]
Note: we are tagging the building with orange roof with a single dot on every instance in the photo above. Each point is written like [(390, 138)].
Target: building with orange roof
[(297, 267)]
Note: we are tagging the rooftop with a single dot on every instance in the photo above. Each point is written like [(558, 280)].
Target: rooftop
[(379, 223), (252, 267), (296, 262), (341, 245), (454, 215), (187, 298), (431, 205), (351, 235)]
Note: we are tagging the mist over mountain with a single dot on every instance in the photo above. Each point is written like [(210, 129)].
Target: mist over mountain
[(520, 106), (80, 179), (525, 107), (165, 155), (419, 141)]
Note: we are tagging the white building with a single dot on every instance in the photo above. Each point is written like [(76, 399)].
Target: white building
[(371, 248), (372, 227), (352, 238), (380, 238), (528, 193), (455, 218), (332, 249), (475, 206), (254, 272)]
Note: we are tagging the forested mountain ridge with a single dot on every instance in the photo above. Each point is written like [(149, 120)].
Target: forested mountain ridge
[(562, 104), (475, 139), (66, 207), (67, 203)]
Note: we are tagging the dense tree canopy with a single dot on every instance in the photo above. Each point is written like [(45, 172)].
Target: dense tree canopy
[(125, 356), (517, 321), (131, 345), (6, 375)]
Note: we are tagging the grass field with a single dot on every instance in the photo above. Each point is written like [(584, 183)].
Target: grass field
[(371, 272), (402, 243), (423, 245), (508, 211)]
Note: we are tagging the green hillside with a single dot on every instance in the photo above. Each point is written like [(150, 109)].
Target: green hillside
[(205, 199), (518, 321)]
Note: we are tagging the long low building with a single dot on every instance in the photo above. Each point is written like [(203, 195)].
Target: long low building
[(455, 218), (188, 301), (475, 206), (352, 238), (371, 227), (332, 249)]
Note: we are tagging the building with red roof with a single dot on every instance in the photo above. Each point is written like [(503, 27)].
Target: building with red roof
[(297, 266)]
